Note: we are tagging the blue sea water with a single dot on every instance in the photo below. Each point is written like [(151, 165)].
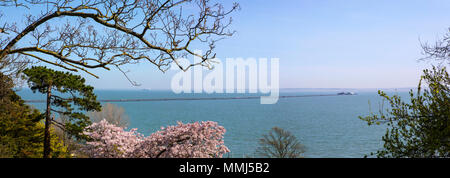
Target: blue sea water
[(328, 126)]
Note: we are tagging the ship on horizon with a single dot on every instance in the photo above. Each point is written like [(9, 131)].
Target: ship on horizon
[(346, 93)]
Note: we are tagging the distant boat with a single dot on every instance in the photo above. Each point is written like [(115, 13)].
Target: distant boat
[(346, 93)]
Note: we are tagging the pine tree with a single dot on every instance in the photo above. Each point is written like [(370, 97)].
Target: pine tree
[(68, 95)]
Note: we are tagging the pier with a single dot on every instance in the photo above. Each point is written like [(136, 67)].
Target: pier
[(188, 99)]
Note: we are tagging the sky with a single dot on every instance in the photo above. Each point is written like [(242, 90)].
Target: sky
[(321, 44)]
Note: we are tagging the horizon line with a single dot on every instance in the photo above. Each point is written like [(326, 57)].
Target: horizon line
[(334, 88)]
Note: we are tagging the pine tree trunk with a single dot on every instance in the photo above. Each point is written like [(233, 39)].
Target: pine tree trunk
[(47, 148)]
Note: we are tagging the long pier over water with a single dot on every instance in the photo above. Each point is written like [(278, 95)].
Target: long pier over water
[(187, 99)]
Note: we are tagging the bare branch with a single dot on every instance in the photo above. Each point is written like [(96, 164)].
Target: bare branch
[(101, 33), (439, 51)]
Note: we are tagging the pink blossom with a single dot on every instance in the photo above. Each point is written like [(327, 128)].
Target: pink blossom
[(110, 141), (192, 140)]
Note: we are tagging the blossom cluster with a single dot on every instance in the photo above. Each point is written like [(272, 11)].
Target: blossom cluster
[(193, 140), (110, 141)]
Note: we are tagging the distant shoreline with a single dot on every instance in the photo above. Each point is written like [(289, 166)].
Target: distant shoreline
[(186, 99)]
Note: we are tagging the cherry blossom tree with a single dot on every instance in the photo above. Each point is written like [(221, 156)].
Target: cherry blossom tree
[(192, 140), (110, 141)]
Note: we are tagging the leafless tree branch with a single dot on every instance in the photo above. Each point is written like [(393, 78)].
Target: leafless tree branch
[(439, 51), (88, 34)]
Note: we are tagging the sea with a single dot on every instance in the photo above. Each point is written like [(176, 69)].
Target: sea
[(328, 126)]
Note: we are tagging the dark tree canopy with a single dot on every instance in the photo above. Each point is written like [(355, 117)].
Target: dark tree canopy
[(21, 130), (81, 35), (17, 122), (421, 127), (70, 96), (280, 143)]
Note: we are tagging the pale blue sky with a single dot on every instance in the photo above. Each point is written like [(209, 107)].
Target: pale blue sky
[(322, 44)]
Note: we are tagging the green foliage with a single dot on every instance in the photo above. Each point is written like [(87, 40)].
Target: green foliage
[(280, 143), (59, 150), (75, 96), (21, 129), (30, 145), (421, 127)]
